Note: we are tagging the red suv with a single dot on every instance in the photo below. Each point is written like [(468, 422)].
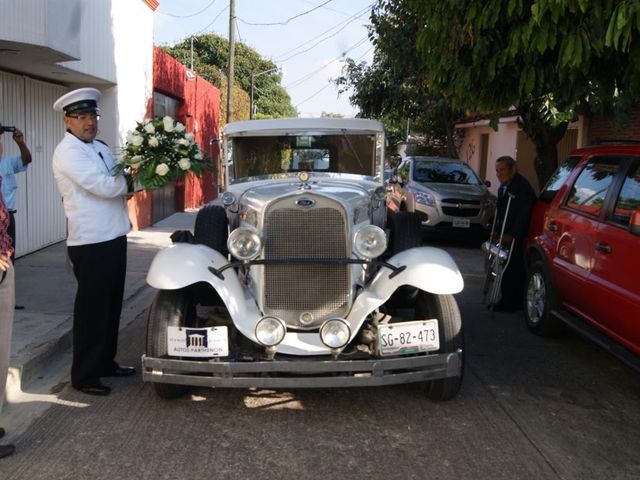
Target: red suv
[(583, 250)]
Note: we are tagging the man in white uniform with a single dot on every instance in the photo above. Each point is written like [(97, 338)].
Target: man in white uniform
[(95, 206)]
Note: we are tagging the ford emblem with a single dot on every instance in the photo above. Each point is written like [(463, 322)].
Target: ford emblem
[(306, 202)]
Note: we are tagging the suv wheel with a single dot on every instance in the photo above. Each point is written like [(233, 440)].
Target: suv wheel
[(540, 300), (445, 309)]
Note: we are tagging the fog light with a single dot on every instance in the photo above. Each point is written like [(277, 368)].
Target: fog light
[(370, 242), (270, 331), (335, 333), (244, 243)]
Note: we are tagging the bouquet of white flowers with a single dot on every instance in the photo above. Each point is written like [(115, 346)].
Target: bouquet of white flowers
[(157, 151)]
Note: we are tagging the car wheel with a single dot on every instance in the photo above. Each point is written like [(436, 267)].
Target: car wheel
[(171, 308), (404, 234), (445, 309), (211, 228), (540, 300)]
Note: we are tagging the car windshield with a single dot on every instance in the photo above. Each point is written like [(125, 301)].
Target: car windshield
[(433, 171), (267, 155)]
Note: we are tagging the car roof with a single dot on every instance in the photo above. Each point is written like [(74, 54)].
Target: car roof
[(605, 148), (303, 126)]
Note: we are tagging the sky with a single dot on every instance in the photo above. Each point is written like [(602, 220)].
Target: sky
[(307, 39)]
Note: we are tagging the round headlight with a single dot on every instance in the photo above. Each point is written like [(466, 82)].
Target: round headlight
[(335, 333), (244, 243), (228, 198), (379, 194), (270, 331), (370, 242)]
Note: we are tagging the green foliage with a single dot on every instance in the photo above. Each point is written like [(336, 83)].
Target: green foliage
[(210, 59)]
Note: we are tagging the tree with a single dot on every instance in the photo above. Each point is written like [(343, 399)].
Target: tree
[(210, 59), (548, 59), (395, 87)]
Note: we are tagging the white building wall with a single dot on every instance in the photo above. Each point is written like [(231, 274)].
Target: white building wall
[(112, 41)]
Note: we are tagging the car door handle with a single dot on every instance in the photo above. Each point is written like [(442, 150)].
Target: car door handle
[(552, 226), (603, 247)]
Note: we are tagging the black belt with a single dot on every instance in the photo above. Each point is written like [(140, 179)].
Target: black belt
[(13, 211)]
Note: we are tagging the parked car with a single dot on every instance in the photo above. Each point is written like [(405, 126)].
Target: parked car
[(583, 250), (446, 193), (293, 276)]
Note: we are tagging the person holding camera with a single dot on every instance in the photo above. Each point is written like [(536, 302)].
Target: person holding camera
[(7, 301), (9, 166)]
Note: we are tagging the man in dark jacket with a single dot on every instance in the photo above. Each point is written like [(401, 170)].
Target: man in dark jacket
[(516, 224)]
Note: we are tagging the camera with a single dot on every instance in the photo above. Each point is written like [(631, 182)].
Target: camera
[(4, 128)]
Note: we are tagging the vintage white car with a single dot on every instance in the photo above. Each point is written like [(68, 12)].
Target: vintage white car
[(296, 278)]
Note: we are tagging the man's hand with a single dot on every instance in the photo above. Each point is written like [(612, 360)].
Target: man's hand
[(5, 262), (18, 136)]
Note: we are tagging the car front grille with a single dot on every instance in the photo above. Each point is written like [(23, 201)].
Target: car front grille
[(460, 207), (319, 291)]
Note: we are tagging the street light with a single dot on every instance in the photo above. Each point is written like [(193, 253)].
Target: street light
[(254, 75)]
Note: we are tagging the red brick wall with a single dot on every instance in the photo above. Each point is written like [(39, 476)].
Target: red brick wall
[(601, 128)]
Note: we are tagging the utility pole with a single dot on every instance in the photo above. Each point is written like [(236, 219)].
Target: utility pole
[(232, 47)]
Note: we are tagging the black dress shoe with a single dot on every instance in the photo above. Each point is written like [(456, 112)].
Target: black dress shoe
[(94, 389), (6, 450), (19, 307), (121, 372)]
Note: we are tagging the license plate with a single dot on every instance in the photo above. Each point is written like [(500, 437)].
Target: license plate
[(461, 222), (408, 337), (197, 342)]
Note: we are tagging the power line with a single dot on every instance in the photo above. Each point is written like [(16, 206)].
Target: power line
[(212, 21), (188, 16), (351, 19), (287, 20)]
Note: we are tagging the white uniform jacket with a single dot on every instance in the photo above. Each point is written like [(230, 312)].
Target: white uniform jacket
[(94, 200)]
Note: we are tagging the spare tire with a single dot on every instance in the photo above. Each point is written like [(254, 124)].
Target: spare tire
[(212, 228)]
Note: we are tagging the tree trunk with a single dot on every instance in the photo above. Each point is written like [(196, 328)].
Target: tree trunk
[(545, 137)]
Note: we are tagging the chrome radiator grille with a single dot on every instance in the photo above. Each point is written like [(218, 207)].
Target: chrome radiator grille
[(317, 291)]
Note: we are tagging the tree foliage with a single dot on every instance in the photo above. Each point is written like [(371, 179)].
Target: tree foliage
[(210, 59), (395, 87)]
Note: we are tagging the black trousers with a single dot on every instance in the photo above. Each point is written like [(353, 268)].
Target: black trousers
[(512, 286), (100, 269)]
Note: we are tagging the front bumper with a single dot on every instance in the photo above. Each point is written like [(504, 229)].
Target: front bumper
[(303, 373)]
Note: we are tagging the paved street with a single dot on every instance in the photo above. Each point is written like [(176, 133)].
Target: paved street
[(529, 408)]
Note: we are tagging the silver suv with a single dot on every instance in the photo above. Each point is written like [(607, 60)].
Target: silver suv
[(446, 193), (295, 279)]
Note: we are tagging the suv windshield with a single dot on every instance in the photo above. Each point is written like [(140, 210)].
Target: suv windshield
[(266, 155), (433, 171)]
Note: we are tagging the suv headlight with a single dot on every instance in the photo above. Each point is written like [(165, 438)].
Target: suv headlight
[(425, 198), (244, 243), (370, 242)]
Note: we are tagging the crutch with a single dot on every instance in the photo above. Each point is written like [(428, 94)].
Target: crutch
[(498, 257)]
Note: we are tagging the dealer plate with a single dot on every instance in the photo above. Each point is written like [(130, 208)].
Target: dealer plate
[(461, 222), (408, 337), (197, 342)]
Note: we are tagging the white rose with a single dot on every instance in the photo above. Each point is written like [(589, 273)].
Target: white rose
[(189, 136), (136, 140), (198, 156), (184, 164), (162, 169), (179, 127), (149, 128), (168, 124), (153, 142), (183, 141), (136, 159)]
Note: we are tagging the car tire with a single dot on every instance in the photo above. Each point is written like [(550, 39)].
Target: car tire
[(170, 308), (445, 309), (404, 233), (211, 228), (540, 300)]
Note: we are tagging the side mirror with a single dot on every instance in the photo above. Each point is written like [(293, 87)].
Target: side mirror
[(634, 222)]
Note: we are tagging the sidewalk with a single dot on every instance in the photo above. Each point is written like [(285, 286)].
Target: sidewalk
[(46, 288)]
